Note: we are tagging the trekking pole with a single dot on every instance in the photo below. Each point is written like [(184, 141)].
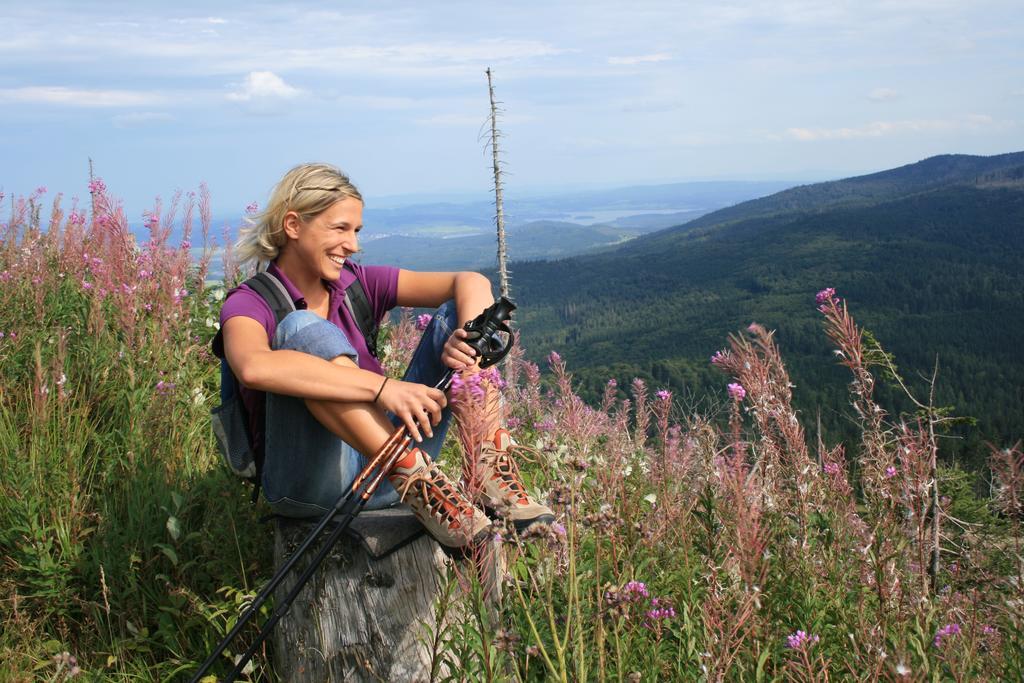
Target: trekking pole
[(483, 330), (349, 505)]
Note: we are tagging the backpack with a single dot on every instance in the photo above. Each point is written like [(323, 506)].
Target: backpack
[(230, 420)]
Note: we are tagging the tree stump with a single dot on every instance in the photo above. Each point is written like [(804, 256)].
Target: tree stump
[(367, 613)]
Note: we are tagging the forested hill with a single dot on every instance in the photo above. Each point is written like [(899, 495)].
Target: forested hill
[(933, 267), (932, 173)]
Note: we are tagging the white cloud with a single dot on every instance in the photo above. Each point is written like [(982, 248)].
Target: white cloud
[(883, 95), (200, 20), (875, 129), (79, 97), (263, 85), (640, 59)]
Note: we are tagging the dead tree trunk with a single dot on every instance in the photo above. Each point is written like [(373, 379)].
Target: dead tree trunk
[(499, 205), (369, 611), (362, 616)]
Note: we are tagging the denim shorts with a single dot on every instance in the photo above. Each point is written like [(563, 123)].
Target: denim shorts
[(307, 468)]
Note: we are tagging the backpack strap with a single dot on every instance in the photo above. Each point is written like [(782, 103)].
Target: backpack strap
[(273, 292), (359, 306), (270, 290)]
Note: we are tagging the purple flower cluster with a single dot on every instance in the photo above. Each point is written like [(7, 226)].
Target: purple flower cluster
[(635, 590), (737, 392), (664, 395), (660, 609), (825, 295), (801, 640), (473, 385), (554, 358), (545, 425), (832, 468), (164, 388), (890, 472), (423, 320), (97, 186), (719, 358), (825, 299), (946, 632)]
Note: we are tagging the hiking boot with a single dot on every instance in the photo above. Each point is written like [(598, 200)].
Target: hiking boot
[(498, 487), (445, 512)]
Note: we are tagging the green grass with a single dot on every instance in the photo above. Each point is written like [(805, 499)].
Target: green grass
[(127, 544)]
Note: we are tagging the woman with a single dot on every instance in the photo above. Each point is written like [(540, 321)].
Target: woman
[(327, 402)]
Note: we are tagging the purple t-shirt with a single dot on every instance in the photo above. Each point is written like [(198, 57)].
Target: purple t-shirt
[(381, 286), (379, 282)]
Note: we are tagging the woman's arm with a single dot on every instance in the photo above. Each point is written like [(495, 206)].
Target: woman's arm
[(294, 373), (472, 294), (471, 291)]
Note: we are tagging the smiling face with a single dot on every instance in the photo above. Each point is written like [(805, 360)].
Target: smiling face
[(323, 243)]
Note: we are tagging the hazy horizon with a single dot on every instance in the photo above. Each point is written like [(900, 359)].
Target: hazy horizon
[(594, 94)]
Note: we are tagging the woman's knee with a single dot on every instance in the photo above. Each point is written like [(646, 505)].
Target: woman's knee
[(307, 332)]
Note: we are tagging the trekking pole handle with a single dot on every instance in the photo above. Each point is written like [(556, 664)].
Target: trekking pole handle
[(483, 332)]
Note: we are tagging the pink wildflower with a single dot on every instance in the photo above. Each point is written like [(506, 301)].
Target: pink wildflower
[(801, 640), (825, 296), (946, 632), (544, 425), (423, 320), (831, 468), (659, 613), (890, 472), (97, 185), (736, 391), (6, 276), (664, 395), (718, 358), (558, 528), (612, 383), (635, 590), (252, 208), (554, 358), (513, 423), (163, 388)]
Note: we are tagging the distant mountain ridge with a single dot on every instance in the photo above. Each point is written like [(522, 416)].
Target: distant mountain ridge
[(929, 256), (937, 171)]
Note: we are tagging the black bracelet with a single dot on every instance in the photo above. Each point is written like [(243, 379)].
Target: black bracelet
[(380, 390)]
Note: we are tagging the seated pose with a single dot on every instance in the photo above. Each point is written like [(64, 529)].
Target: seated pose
[(323, 398)]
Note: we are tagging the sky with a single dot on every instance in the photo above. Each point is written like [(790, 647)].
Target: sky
[(595, 94)]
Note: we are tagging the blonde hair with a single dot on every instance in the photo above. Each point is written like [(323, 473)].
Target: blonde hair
[(308, 190)]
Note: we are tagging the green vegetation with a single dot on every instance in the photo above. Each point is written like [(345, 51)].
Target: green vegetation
[(707, 544), (931, 254)]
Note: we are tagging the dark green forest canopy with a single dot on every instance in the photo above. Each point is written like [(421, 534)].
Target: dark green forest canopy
[(933, 268)]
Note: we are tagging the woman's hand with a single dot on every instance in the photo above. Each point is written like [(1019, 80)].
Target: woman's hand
[(457, 354), (416, 405)]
